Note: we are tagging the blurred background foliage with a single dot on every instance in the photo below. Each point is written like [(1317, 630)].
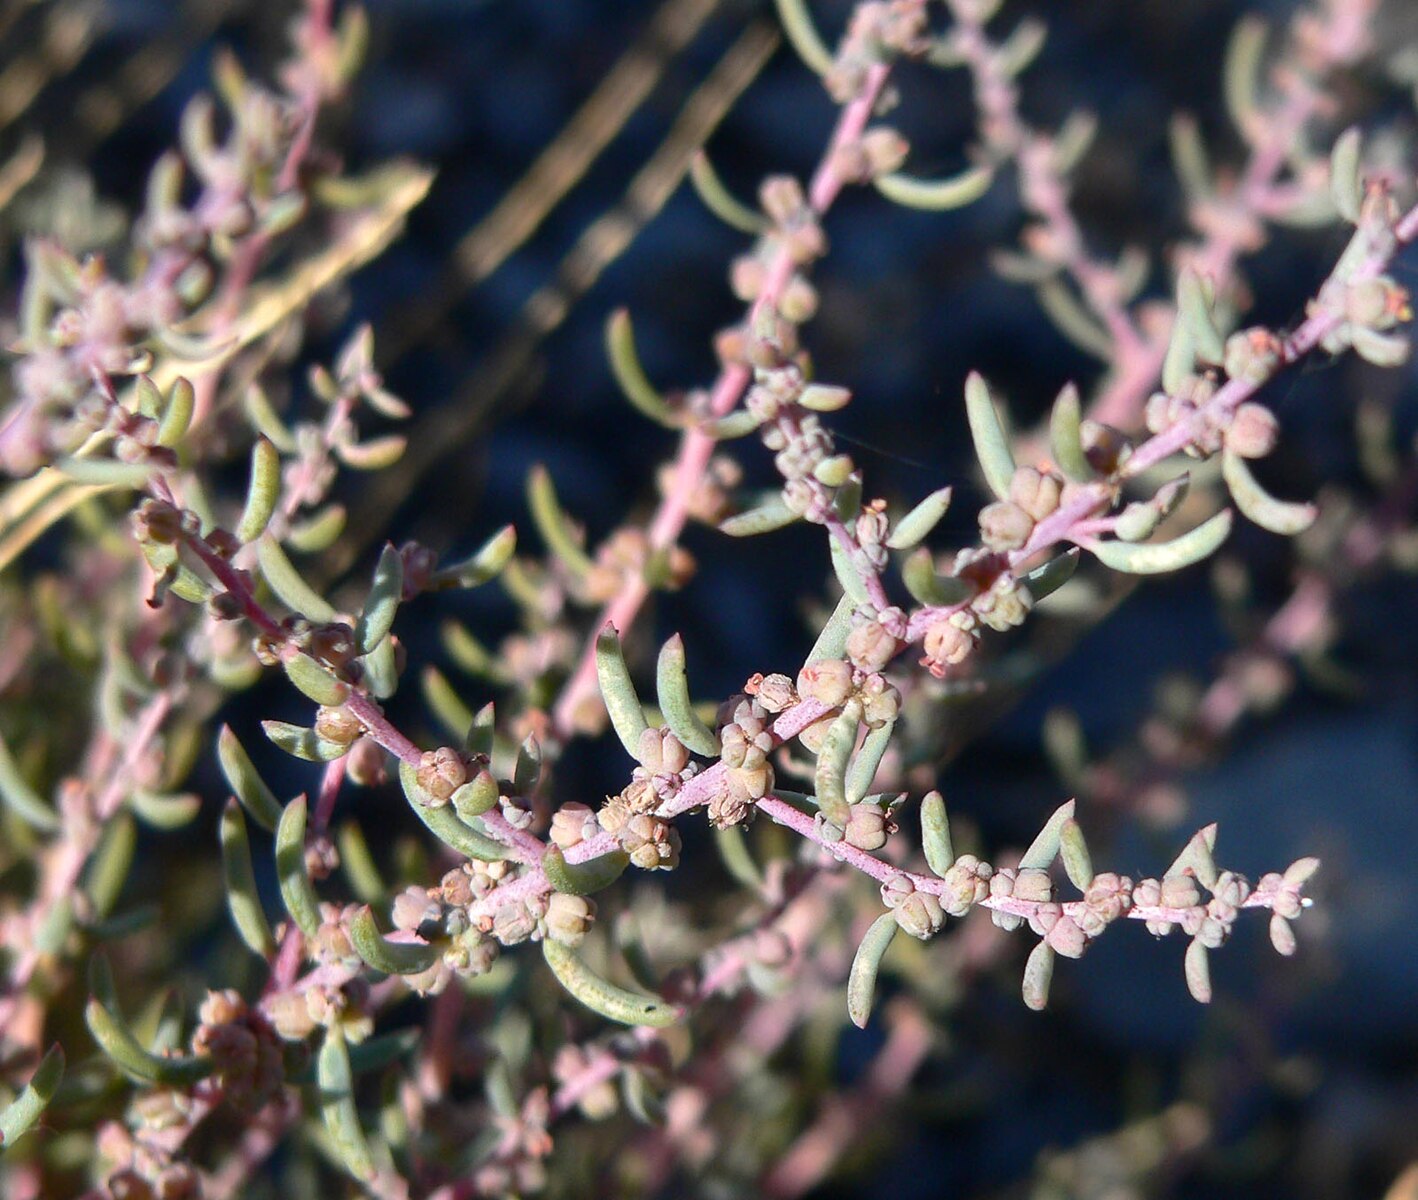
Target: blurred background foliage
[(560, 131)]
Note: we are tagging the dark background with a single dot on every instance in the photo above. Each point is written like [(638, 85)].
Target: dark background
[(1306, 1065)]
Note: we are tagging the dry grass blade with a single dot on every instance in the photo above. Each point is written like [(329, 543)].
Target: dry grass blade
[(31, 506), (68, 29), (556, 170), (448, 427)]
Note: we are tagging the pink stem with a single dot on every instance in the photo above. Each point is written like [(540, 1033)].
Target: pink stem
[(696, 446)]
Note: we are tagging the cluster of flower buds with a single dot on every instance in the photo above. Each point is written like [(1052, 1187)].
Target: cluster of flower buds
[(81, 327), (746, 741), (919, 913), (663, 768), (993, 596), (245, 1048), (139, 1165), (876, 31), (1033, 495), (626, 556), (834, 681), (652, 843), (518, 1166), (1025, 895), (295, 1013), (1249, 431)]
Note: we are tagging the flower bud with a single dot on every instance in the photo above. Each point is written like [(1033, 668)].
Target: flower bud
[(799, 302), (652, 844), (1179, 891), (881, 702), (337, 724), (828, 681), (896, 889), (569, 917), (364, 765), (966, 884), (661, 752), (868, 827), (1005, 526), (1213, 932), (773, 692), (782, 199), (1045, 917), (1106, 448), (442, 772), (920, 914), (1033, 884), (1035, 492), (513, 923), (870, 646), (1376, 303), (945, 644), (1067, 939), (746, 277), (1252, 432), (1252, 355), (815, 734), (572, 824), (885, 150)]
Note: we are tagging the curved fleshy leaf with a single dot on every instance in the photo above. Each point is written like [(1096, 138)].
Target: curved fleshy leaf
[(630, 375), (988, 432), (1197, 967), (600, 995), (803, 35), (262, 492), (771, 514), (376, 618), (24, 1110), (1346, 187), (117, 1041), (1065, 436), (335, 1081), (485, 564), (287, 583), (242, 896), (555, 527), (935, 834), (1038, 975), (672, 688), (246, 782), (832, 639), (1044, 580), (618, 691), (830, 776), (23, 800), (936, 195), (916, 525), (291, 870), (927, 587), (315, 681), (299, 742), (1195, 310), (1154, 558), (861, 981), (1045, 846), (392, 958), (582, 879), (1078, 863), (446, 825), (1256, 504), (864, 766), (720, 201)]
